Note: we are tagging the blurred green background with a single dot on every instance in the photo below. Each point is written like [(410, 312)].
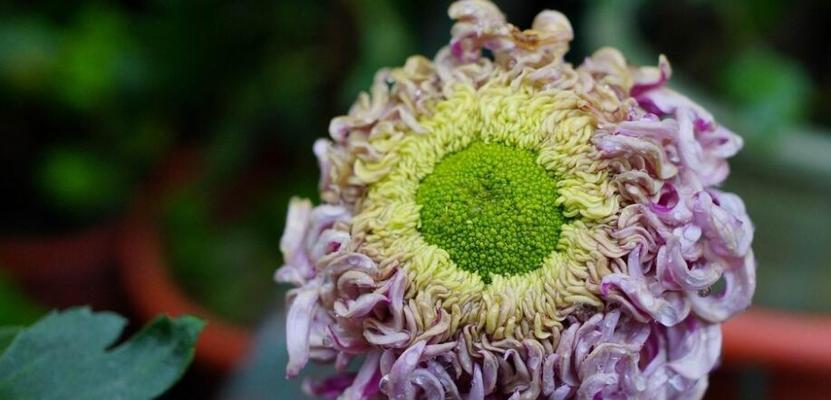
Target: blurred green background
[(97, 96)]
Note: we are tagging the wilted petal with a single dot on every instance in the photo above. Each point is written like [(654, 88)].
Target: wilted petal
[(329, 388), (290, 274), (298, 324), (450, 389), (726, 225), (430, 385), (668, 308), (298, 268), (330, 241), (397, 384), (674, 270), (360, 307), (367, 381), (477, 389), (649, 78), (321, 151), (653, 154), (694, 348), (382, 335)]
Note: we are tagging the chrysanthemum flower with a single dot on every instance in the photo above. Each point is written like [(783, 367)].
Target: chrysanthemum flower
[(499, 224)]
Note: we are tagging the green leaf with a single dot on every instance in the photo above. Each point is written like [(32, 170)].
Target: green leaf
[(65, 355)]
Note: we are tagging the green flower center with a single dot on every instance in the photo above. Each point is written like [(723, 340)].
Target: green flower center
[(492, 208)]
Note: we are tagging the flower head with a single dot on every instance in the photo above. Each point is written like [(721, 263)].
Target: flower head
[(514, 227)]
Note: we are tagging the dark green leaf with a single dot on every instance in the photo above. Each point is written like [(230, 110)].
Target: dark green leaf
[(65, 355)]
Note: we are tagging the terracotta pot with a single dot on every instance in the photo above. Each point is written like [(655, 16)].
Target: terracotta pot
[(779, 340), (67, 269), (152, 290), (792, 350)]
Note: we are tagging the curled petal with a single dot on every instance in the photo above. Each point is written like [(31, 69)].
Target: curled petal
[(298, 325), (549, 377), (350, 283), (668, 309), (739, 285), (430, 385), (595, 385), (324, 217), (396, 298), (298, 267), (564, 352), (450, 389), (712, 170), (290, 274), (380, 334), (721, 142), (649, 78), (329, 388), (321, 151), (694, 348), (555, 24), (490, 367), (674, 270), (652, 154), (653, 128), (477, 389), (667, 101), (345, 340), (725, 223), (352, 262), (296, 224), (477, 21), (360, 307), (329, 243), (397, 384), (367, 381)]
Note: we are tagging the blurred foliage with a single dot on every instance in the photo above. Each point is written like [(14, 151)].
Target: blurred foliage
[(74, 136), (81, 180), (16, 308), (765, 59), (769, 90), (226, 258), (384, 40)]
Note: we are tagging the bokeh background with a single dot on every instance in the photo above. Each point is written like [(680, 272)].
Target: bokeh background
[(149, 150)]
